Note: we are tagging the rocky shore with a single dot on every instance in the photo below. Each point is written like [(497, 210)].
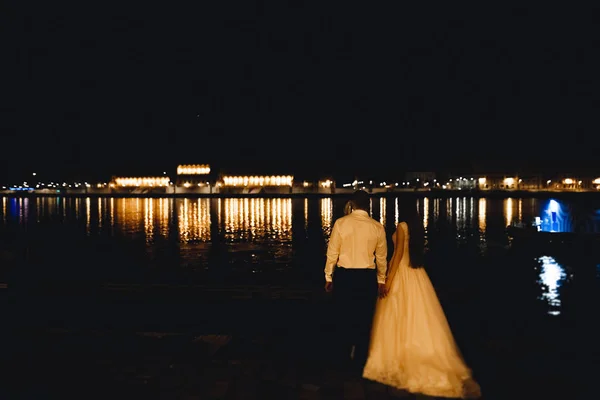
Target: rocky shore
[(185, 342)]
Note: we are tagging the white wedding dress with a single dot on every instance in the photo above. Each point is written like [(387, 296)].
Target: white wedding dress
[(412, 346)]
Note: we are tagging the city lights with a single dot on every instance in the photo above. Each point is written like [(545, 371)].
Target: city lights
[(142, 182), (197, 178), (509, 181), (274, 180)]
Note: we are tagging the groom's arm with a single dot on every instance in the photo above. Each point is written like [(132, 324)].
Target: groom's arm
[(333, 252)]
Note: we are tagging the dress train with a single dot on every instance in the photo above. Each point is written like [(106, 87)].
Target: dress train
[(412, 346)]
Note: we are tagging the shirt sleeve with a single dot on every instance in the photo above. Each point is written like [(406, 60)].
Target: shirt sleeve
[(381, 256), (333, 252)]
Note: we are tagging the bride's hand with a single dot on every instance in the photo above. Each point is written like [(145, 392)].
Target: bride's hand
[(383, 290)]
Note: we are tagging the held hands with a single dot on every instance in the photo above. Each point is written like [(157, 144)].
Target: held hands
[(388, 285), (382, 289)]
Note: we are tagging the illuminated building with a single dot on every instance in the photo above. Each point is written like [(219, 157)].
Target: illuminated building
[(193, 169), (482, 183), (493, 181), (257, 183), (569, 182), (273, 180), (326, 183), (530, 182), (193, 175), (464, 182), (141, 182)]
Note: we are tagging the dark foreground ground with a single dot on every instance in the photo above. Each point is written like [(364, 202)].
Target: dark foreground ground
[(166, 342)]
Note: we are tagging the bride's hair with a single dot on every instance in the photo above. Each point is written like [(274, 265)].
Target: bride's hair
[(416, 233)]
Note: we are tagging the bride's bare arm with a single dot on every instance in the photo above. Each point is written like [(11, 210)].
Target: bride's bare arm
[(396, 256)]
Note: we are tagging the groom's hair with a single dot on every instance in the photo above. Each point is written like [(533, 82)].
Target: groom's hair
[(361, 200)]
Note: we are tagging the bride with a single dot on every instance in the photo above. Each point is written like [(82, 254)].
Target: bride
[(412, 346)]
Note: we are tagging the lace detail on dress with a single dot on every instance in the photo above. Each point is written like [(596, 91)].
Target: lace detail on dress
[(440, 385)]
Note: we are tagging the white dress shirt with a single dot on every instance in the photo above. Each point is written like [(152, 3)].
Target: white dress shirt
[(357, 241)]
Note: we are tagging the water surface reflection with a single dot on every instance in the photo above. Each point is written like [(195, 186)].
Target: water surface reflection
[(290, 232), (194, 220), (552, 276), (247, 219), (327, 217), (257, 220)]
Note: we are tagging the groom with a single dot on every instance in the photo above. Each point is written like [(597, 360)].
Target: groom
[(357, 251)]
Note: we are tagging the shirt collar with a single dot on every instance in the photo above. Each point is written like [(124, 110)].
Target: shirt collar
[(360, 212)]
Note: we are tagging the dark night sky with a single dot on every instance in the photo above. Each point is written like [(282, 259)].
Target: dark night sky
[(287, 87)]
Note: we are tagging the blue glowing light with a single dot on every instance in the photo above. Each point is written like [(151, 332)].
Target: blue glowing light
[(553, 206), (555, 217)]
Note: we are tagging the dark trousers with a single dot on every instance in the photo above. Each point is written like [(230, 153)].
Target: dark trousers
[(355, 295)]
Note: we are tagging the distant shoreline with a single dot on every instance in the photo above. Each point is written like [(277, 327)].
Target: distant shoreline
[(434, 193)]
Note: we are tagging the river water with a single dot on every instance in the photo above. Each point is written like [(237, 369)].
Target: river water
[(282, 241)]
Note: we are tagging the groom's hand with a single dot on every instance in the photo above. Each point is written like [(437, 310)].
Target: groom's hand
[(383, 291), (328, 287)]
